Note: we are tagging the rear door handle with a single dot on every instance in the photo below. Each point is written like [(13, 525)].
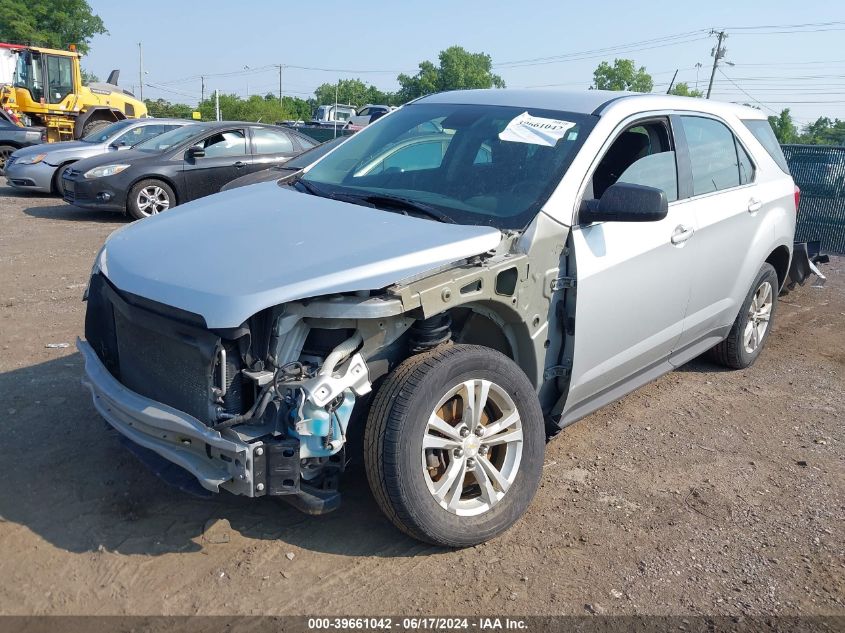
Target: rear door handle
[(682, 233), (754, 205)]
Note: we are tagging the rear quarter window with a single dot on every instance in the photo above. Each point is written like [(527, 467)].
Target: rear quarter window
[(764, 133)]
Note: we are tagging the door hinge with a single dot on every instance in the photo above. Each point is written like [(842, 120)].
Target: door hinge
[(558, 371), (562, 283)]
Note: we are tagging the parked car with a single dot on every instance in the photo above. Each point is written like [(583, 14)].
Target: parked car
[(367, 114), (13, 137), (286, 170), (331, 115), (40, 168), (178, 166), (456, 312)]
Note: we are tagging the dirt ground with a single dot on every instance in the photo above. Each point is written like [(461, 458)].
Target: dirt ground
[(707, 492)]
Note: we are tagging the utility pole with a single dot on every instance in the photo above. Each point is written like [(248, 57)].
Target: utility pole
[(141, 69), (217, 103), (672, 83), (280, 67), (718, 53), (202, 88), (336, 86)]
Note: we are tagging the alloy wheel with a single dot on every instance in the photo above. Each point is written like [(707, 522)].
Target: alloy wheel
[(472, 447), (152, 200), (759, 314)]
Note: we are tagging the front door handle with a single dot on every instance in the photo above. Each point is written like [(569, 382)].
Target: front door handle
[(240, 164), (754, 205), (682, 233)]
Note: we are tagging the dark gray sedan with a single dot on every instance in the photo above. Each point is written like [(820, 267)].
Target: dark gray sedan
[(13, 137)]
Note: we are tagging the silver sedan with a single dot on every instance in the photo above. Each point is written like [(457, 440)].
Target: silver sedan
[(40, 167)]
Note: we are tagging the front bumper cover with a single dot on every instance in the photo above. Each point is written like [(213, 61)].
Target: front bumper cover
[(217, 461)]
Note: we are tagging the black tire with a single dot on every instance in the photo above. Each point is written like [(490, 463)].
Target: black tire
[(5, 152), (133, 205), (58, 187), (393, 444), (732, 351), (93, 126)]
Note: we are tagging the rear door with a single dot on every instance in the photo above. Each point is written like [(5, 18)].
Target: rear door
[(727, 209), (633, 278), (226, 157), (271, 147)]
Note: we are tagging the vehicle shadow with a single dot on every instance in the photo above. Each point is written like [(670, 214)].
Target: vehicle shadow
[(64, 211), (703, 365), (69, 479)]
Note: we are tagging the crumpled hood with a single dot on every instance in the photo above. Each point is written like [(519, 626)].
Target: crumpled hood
[(233, 254)]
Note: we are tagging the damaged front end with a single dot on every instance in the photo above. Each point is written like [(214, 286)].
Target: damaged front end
[(258, 410)]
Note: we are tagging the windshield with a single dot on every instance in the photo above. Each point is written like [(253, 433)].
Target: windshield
[(101, 135), (476, 164), (170, 139)]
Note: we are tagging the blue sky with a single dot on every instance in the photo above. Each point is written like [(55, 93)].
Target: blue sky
[(804, 71)]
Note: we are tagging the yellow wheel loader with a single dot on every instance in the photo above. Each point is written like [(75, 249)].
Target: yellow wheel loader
[(43, 86)]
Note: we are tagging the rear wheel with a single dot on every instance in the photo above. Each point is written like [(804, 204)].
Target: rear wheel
[(454, 445), (149, 197), (5, 152), (753, 323)]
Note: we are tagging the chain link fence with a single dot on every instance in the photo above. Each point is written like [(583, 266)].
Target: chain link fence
[(819, 170)]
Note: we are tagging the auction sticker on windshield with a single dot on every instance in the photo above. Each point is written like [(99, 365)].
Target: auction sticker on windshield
[(535, 130)]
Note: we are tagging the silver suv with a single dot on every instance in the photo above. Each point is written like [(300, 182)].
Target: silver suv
[(445, 290)]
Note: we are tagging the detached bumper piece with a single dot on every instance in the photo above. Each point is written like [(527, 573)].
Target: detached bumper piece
[(805, 256)]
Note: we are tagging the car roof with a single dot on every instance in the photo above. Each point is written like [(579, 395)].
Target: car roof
[(151, 120), (596, 102)]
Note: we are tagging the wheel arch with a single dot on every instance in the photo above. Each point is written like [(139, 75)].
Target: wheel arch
[(165, 179), (779, 259), (105, 113), (496, 325)]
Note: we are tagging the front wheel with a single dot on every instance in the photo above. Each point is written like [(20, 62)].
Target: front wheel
[(454, 445), (149, 197), (753, 323)]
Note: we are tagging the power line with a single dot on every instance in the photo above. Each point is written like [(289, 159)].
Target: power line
[(594, 54), (754, 99)]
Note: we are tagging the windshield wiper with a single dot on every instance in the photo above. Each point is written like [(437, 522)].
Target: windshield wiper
[(403, 205), (309, 188)]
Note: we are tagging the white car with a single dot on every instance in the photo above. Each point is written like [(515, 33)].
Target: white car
[(369, 113), (456, 283)]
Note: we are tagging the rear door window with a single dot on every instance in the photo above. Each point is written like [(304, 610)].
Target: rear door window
[(713, 155), (271, 141)]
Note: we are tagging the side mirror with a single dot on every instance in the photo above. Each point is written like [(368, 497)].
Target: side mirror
[(195, 152), (120, 145), (625, 202)]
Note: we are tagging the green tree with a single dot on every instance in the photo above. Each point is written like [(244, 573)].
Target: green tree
[(352, 91), (784, 127), (256, 108), (49, 23), (163, 108), (683, 90), (89, 78), (458, 70), (622, 75), (824, 131)]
